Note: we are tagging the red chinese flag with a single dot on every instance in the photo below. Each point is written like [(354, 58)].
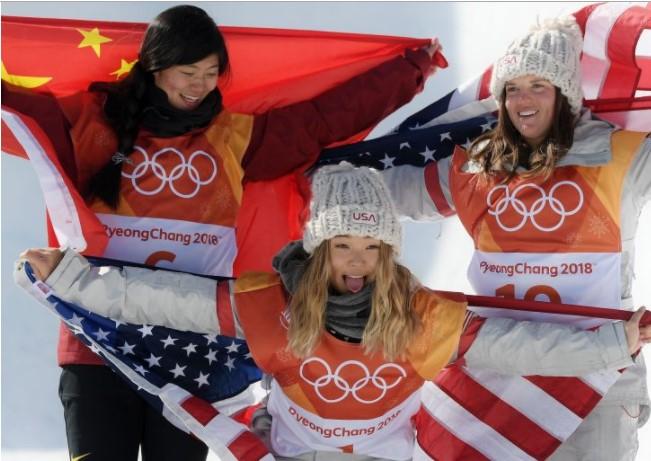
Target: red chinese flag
[(269, 68)]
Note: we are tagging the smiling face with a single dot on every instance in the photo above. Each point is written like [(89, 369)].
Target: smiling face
[(353, 262), (530, 102), (187, 85)]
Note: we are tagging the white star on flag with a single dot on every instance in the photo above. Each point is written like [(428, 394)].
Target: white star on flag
[(387, 161), (140, 369), (201, 380), (101, 335), (153, 360), (178, 371), (428, 154), (146, 330), (211, 356), (233, 347), (190, 348), (127, 348), (211, 339), (169, 341), (230, 363)]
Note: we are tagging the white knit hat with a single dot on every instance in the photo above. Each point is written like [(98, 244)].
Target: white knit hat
[(550, 50), (350, 201)]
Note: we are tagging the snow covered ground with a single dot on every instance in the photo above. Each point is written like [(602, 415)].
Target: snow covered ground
[(472, 35)]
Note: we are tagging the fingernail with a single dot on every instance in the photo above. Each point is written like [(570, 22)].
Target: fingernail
[(440, 60)]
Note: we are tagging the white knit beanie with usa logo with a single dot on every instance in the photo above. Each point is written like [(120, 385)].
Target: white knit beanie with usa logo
[(347, 200), (551, 50)]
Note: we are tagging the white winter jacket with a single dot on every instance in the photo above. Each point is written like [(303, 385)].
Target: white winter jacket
[(187, 302)]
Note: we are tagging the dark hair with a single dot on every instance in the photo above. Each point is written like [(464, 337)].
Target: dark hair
[(503, 149), (179, 35)]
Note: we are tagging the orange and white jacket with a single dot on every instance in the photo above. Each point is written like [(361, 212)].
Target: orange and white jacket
[(569, 239)]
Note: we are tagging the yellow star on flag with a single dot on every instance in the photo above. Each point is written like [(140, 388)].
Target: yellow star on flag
[(93, 39), (125, 68), (23, 80)]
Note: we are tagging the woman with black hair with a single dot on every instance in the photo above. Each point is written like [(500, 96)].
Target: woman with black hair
[(161, 161)]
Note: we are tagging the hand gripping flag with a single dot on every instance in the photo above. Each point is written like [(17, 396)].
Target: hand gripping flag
[(196, 381), (269, 68)]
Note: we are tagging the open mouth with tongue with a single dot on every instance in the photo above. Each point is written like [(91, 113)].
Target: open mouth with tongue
[(354, 283)]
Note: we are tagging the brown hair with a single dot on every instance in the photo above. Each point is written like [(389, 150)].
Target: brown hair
[(391, 325), (502, 150)]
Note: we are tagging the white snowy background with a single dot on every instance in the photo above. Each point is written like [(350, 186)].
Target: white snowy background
[(473, 34)]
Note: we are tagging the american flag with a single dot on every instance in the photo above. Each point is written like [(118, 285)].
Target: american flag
[(616, 81), (194, 380), (477, 415)]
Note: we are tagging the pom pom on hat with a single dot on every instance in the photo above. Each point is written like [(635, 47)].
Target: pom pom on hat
[(550, 50), (350, 201)]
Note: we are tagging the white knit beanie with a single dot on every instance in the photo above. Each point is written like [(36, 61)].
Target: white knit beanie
[(550, 50), (350, 201)]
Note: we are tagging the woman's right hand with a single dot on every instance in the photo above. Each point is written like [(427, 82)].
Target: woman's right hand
[(434, 50), (42, 260), (637, 336)]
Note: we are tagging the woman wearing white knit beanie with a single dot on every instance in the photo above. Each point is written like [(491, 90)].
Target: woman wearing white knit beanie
[(551, 198)]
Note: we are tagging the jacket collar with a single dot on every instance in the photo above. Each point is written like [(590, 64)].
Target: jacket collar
[(591, 146)]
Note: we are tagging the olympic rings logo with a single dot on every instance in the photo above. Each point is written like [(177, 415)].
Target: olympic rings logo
[(499, 206), (185, 168), (346, 388)]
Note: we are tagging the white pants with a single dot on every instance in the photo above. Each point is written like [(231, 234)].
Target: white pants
[(609, 433)]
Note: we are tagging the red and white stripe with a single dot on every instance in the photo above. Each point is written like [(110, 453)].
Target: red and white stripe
[(474, 414), (227, 438), (478, 414), (616, 62), (74, 224)]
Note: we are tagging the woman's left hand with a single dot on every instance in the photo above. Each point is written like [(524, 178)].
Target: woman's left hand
[(434, 50), (42, 260), (637, 336)]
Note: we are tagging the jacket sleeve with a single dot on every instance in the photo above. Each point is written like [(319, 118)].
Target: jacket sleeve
[(640, 173), (49, 115), (421, 193), (141, 296), (537, 348), (291, 137)]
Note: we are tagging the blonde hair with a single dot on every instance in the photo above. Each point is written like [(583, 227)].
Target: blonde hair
[(391, 325), (502, 150)]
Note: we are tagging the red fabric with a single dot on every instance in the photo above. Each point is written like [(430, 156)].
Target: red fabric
[(503, 418), (573, 393), (442, 445), (225, 310), (470, 332), (247, 447), (554, 308), (200, 409), (269, 67), (434, 190)]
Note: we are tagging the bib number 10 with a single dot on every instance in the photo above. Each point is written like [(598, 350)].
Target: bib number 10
[(535, 293)]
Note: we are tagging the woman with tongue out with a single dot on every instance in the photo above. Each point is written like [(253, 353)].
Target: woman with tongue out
[(346, 332), (553, 188), (161, 160)]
